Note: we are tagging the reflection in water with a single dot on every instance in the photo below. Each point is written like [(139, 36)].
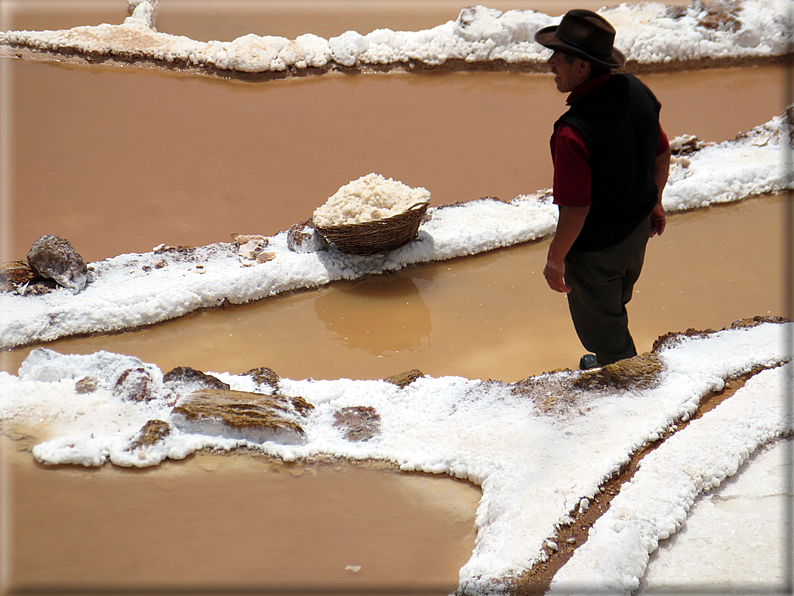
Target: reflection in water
[(380, 314)]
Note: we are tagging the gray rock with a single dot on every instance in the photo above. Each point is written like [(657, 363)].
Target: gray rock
[(264, 376), (184, 380), (302, 237), (135, 384), (55, 258), (188, 375)]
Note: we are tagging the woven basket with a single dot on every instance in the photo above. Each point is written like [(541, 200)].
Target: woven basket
[(379, 236)]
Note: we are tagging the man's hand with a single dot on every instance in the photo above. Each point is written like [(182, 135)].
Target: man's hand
[(661, 171), (569, 225), (658, 220), (555, 274)]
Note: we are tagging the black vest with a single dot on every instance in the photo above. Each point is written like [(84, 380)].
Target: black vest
[(619, 123)]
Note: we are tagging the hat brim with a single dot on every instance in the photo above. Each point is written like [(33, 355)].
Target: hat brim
[(547, 37)]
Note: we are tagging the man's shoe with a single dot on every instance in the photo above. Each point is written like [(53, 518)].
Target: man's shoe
[(588, 361)]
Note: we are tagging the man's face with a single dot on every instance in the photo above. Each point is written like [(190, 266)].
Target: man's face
[(568, 75)]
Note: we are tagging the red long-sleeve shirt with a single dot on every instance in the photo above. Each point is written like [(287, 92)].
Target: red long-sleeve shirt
[(571, 157)]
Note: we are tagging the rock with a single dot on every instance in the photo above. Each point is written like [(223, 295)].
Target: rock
[(300, 405), (183, 380), (135, 384), (242, 415), (404, 379), (264, 257), (86, 385), (250, 247), (720, 16), (152, 432), (359, 423), (243, 239), (55, 258), (20, 277), (201, 380), (15, 275), (264, 376), (302, 237)]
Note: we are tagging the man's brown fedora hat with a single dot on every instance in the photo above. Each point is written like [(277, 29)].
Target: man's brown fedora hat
[(586, 35)]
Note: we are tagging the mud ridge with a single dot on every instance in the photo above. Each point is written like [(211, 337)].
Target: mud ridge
[(76, 57)]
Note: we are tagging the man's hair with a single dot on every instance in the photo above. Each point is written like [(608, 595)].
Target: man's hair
[(595, 70)]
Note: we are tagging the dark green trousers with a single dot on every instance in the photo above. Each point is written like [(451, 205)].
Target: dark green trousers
[(602, 283)]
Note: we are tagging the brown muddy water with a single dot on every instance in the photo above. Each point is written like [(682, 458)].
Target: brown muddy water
[(236, 524), (120, 160)]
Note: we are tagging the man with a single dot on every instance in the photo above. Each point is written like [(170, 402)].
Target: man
[(611, 161)]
